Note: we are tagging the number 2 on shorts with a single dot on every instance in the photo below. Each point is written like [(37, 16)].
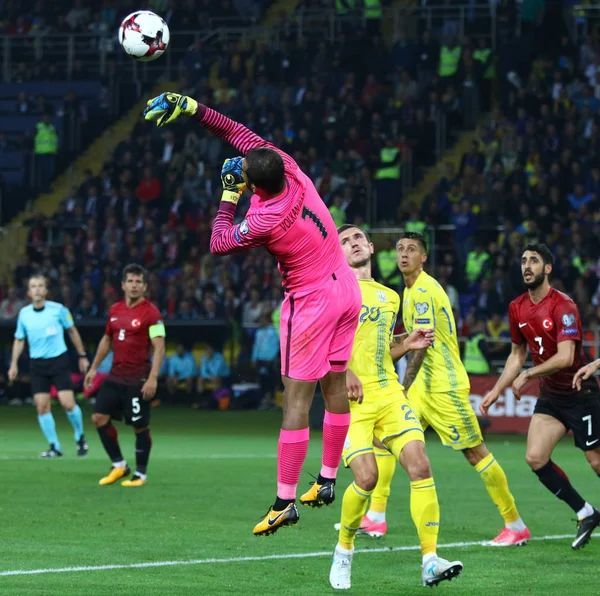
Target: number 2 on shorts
[(409, 414)]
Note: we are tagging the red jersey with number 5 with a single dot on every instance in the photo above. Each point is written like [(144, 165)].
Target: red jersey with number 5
[(129, 329), (543, 326)]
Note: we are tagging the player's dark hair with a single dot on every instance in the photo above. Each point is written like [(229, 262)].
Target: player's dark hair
[(264, 169), (345, 227), (542, 250), (38, 275), (415, 236), (134, 269)]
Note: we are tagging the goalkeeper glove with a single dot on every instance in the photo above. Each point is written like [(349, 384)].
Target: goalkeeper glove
[(233, 180), (167, 107)]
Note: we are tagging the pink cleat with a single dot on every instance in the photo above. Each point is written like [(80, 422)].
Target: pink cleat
[(508, 537), (370, 528)]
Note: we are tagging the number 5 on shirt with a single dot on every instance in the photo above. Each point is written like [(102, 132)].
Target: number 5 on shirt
[(121, 336)]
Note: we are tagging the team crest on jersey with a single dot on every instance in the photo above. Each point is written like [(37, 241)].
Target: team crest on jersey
[(381, 296), (568, 320), (136, 323), (547, 324), (421, 307)]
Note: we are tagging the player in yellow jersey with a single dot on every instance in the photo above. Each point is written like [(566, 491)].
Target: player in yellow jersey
[(438, 386), (378, 408)]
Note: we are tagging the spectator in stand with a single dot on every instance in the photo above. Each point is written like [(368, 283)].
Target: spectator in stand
[(265, 359), (212, 373), (149, 188), (181, 371), (11, 305)]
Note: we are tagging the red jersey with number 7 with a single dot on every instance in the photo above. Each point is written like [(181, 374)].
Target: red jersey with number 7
[(543, 326), (131, 331)]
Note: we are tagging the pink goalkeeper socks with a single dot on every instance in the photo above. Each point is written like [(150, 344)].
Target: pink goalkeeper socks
[(335, 429), (291, 452)]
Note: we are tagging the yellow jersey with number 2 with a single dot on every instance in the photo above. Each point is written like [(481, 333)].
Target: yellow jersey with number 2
[(426, 306)]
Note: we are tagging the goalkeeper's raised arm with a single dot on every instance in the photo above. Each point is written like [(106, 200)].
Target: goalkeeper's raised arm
[(167, 107)]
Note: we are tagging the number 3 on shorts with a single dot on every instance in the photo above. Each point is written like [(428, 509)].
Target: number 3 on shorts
[(135, 405), (455, 435)]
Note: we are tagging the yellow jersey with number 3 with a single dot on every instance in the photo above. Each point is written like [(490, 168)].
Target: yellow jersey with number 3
[(371, 358), (426, 306)]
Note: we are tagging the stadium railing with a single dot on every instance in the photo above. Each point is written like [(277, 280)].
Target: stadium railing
[(441, 238), (468, 19), (94, 51), (584, 22), (215, 332)]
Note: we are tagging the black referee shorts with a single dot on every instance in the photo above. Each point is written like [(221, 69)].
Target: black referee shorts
[(45, 372)]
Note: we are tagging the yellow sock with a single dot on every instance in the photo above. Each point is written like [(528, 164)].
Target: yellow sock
[(386, 466), (494, 478), (354, 507), (425, 512)]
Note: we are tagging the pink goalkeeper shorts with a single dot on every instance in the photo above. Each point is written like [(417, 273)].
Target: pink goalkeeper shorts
[(318, 327)]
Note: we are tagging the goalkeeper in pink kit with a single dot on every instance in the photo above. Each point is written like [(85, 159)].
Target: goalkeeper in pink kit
[(322, 300)]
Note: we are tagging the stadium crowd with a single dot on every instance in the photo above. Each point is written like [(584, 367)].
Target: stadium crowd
[(354, 115)]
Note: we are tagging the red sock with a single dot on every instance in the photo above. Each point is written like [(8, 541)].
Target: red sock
[(291, 452), (335, 429)]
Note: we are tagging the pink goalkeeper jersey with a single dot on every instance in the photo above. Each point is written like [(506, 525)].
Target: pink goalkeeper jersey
[(296, 227)]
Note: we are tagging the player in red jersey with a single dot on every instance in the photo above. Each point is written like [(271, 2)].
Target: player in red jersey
[(320, 311), (134, 329), (548, 322)]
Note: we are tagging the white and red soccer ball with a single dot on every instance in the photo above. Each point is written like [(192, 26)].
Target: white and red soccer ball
[(143, 35)]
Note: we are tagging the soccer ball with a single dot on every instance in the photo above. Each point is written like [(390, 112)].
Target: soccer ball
[(144, 35)]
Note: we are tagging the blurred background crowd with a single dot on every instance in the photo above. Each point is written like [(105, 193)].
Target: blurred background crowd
[(475, 123)]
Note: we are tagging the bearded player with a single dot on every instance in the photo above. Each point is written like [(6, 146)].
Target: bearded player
[(133, 331), (322, 299), (548, 322), (379, 409)]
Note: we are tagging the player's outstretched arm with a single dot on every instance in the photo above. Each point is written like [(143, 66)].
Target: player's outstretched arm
[(512, 369), (584, 373), (413, 366), (254, 231), (168, 106), (419, 339)]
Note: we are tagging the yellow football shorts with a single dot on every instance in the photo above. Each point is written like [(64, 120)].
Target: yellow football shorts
[(450, 415), (385, 414)]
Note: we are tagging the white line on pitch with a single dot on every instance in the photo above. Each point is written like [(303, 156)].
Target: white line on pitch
[(154, 457), (248, 559)]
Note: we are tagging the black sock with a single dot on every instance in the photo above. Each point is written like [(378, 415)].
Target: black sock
[(143, 444), (281, 504), (110, 442), (322, 480), (557, 482)]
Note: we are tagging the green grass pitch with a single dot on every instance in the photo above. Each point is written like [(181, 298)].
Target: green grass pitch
[(211, 477)]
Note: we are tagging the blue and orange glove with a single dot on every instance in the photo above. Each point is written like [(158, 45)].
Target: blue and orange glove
[(167, 107), (232, 179)]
